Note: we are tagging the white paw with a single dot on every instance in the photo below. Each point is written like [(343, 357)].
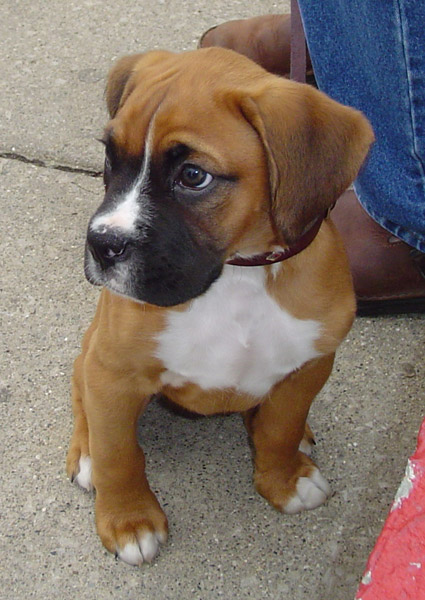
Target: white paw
[(311, 492), (305, 447), (144, 550), (84, 477)]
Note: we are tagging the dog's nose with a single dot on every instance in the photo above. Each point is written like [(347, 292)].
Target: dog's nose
[(107, 248)]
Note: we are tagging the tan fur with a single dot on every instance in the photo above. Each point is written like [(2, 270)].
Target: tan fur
[(293, 151)]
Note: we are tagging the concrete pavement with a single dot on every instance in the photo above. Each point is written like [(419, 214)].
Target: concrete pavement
[(225, 540)]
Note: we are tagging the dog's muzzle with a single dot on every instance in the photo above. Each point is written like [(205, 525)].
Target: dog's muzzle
[(159, 269)]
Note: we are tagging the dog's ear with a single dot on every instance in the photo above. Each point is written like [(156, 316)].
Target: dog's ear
[(314, 147), (123, 76), (117, 81)]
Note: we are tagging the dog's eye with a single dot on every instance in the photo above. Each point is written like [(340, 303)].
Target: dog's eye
[(194, 178)]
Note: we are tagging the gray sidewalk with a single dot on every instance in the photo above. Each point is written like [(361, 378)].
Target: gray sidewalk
[(225, 540)]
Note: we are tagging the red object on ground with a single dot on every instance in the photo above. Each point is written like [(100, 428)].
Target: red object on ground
[(396, 566)]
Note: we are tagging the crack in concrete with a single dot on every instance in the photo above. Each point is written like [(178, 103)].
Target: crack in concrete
[(50, 165)]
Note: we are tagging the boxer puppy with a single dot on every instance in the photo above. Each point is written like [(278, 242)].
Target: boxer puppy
[(225, 284)]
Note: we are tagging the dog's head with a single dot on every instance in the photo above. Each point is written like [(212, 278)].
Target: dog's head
[(207, 155)]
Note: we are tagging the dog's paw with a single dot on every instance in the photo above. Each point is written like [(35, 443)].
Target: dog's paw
[(308, 442), (143, 549), (304, 488), (84, 475), (310, 492), (79, 469), (133, 531), (306, 446)]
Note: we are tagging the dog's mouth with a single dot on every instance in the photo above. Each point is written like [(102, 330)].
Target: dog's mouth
[(152, 277), (115, 277)]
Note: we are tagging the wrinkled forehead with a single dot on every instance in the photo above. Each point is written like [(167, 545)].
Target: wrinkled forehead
[(190, 108), (211, 131)]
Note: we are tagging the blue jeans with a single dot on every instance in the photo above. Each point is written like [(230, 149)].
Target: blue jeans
[(370, 54)]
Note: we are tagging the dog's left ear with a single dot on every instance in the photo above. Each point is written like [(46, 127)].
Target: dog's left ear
[(314, 147)]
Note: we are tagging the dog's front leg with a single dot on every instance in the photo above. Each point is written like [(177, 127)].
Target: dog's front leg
[(283, 474), (129, 519)]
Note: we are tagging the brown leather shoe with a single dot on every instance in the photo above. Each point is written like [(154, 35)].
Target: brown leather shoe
[(265, 40), (388, 275)]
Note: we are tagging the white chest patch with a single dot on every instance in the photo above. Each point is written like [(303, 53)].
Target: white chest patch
[(235, 336)]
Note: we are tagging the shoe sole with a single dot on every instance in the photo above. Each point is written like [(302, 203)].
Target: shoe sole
[(377, 308)]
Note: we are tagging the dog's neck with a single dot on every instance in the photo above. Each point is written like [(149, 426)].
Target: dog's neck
[(275, 256)]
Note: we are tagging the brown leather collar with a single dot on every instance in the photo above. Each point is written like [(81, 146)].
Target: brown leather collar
[(298, 45), (270, 258)]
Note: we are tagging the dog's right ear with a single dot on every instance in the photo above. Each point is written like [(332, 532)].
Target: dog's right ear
[(117, 89)]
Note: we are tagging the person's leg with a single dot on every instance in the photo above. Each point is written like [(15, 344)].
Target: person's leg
[(371, 55)]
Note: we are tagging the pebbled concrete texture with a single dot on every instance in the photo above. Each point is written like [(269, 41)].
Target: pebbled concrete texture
[(225, 540)]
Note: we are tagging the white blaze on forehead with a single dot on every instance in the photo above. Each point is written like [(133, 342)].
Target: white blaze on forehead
[(127, 210)]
